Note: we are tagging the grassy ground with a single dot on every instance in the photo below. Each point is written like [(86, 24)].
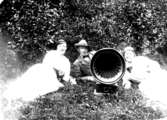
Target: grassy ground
[(79, 103)]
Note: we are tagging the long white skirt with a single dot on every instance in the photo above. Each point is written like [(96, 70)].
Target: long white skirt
[(36, 81), (153, 81)]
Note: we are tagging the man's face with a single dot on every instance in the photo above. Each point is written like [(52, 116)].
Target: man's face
[(61, 48), (82, 50)]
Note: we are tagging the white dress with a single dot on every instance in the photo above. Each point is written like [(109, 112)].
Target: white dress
[(40, 79), (57, 61), (153, 82)]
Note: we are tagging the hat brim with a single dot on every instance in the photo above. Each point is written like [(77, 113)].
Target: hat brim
[(88, 47), (81, 45)]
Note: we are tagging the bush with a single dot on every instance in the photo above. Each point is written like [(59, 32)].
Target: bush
[(36, 25)]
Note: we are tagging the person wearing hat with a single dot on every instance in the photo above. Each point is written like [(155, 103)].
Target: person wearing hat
[(81, 66)]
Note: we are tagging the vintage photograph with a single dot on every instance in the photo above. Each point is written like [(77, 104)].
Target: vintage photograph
[(83, 59)]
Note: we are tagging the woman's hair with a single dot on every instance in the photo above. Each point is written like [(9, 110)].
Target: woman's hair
[(53, 46), (60, 41), (128, 48)]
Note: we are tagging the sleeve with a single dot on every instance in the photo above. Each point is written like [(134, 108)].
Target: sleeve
[(75, 69)]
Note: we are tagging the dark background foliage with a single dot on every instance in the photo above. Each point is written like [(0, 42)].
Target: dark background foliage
[(35, 25)]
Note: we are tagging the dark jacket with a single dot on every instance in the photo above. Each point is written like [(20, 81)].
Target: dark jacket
[(81, 66)]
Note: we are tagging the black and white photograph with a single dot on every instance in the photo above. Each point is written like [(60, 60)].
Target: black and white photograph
[(83, 59)]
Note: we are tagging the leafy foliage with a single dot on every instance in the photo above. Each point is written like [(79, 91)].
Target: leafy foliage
[(141, 23), (36, 25)]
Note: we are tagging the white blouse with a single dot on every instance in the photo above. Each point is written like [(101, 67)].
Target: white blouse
[(57, 61)]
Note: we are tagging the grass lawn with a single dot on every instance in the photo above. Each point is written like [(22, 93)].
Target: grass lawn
[(74, 102)]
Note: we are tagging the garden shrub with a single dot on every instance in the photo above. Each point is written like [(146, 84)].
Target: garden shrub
[(35, 26)]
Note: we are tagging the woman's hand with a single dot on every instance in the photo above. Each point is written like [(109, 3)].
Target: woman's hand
[(61, 73)]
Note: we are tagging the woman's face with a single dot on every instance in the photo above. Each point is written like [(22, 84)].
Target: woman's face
[(129, 55), (61, 48)]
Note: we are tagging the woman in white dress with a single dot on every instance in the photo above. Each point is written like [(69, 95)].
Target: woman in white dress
[(129, 55), (44, 77), (57, 61), (38, 80)]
